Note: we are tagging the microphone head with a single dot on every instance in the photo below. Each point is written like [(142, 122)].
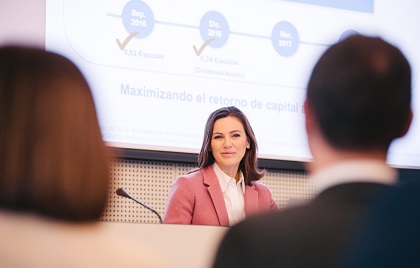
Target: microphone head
[(121, 192)]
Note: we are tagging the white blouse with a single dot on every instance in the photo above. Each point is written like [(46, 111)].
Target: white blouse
[(233, 194)]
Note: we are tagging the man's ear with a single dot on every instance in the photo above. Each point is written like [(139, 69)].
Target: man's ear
[(309, 118), (407, 124)]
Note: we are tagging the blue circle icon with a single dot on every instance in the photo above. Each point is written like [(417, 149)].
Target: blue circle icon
[(285, 38), (348, 33), (214, 26), (138, 17)]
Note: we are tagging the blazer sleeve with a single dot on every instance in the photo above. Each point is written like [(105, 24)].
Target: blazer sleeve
[(273, 205), (180, 203), (267, 201)]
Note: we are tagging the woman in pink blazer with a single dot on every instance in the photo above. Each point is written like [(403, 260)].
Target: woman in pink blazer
[(224, 189)]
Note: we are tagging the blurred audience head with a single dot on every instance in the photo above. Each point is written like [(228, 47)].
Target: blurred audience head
[(53, 161), (359, 94)]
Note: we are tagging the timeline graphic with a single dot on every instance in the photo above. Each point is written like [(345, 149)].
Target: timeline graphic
[(209, 39), (211, 44), (138, 20)]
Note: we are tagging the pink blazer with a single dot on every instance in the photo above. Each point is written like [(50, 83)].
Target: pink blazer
[(197, 198)]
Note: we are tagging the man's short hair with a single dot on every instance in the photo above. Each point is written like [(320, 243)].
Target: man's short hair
[(360, 93)]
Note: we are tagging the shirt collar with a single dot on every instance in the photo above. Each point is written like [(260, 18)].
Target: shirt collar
[(354, 171), (224, 178)]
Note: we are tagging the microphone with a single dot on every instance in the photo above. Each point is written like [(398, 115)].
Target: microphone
[(121, 192)]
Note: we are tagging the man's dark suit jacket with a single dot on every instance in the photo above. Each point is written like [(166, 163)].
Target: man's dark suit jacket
[(391, 235), (312, 235)]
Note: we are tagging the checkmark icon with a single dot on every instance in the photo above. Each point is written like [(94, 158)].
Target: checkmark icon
[(203, 46), (127, 39)]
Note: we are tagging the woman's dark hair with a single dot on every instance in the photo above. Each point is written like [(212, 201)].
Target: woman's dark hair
[(53, 161), (249, 163)]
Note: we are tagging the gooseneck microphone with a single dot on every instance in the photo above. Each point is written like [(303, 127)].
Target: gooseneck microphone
[(121, 192)]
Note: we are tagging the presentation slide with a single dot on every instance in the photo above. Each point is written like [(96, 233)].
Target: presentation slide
[(159, 68)]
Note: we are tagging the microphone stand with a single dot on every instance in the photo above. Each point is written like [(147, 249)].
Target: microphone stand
[(121, 192)]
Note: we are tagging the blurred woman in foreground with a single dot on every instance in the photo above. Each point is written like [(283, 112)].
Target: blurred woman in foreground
[(54, 169)]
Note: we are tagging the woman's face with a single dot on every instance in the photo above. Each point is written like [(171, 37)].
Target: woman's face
[(228, 144)]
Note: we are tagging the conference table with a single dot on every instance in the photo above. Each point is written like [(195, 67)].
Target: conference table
[(182, 245)]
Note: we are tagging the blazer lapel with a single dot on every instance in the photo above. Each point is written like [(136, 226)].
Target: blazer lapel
[(213, 186), (251, 200)]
